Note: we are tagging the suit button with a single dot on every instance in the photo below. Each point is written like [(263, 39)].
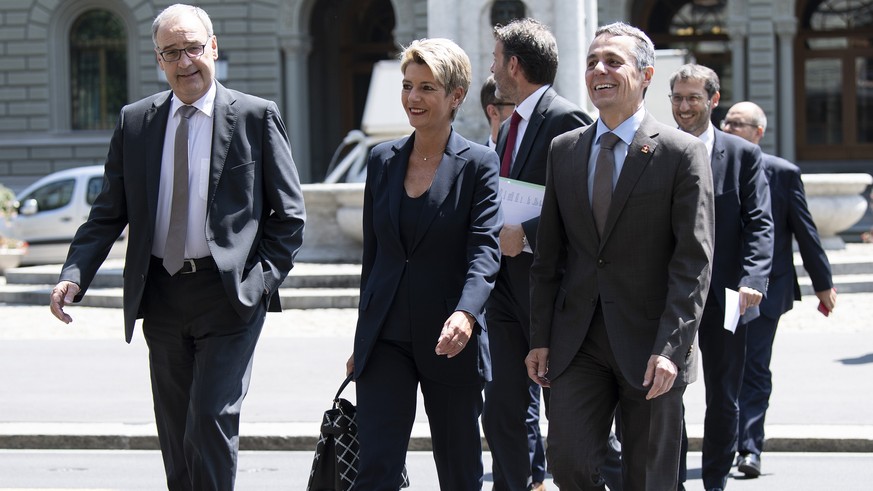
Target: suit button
[(593, 301), (601, 263)]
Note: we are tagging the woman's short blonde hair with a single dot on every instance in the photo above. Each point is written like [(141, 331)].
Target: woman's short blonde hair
[(449, 63)]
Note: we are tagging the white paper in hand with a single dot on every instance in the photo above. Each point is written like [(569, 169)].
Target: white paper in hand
[(731, 309)]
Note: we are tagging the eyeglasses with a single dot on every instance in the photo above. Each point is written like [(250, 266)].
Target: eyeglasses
[(692, 100), (172, 55), (725, 124)]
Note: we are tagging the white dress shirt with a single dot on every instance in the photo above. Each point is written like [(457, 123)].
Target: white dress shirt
[(525, 110), (625, 133), (199, 156)]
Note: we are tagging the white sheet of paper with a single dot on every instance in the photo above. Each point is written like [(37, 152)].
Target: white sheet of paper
[(520, 201), (731, 309)]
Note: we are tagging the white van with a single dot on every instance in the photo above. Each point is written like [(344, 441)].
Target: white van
[(52, 209)]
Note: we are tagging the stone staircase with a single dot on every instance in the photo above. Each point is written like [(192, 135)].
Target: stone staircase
[(852, 270), (335, 286), (309, 286)]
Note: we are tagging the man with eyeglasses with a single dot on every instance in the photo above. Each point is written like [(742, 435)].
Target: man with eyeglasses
[(496, 110), (741, 262), (203, 177), (791, 219)]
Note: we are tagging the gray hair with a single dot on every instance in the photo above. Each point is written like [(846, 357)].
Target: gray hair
[(178, 10), (644, 48)]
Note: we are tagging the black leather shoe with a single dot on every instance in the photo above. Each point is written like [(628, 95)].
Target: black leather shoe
[(750, 465)]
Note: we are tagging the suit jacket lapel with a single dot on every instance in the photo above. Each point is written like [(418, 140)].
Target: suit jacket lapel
[(443, 182), (530, 133), (639, 154), (579, 174), (395, 172), (224, 118), (155, 128), (718, 163)]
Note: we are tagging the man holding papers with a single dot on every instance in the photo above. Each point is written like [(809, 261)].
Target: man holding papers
[(741, 262), (791, 220), (524, 68)]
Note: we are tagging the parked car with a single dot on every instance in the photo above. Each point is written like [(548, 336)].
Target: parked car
[(384, 119), (52, 209)]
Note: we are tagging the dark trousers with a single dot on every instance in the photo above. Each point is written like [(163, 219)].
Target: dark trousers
[(583, 401), (200, 358), (535, 449), (757, 384), (510, 417), (386, 399), (723, 356)]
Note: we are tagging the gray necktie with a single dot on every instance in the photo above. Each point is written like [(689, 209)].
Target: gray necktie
[(174, 250), (601, 196)]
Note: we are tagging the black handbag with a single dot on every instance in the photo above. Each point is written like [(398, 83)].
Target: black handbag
[(335, 465)]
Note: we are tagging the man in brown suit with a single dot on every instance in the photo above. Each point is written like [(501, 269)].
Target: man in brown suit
[(620, 276)]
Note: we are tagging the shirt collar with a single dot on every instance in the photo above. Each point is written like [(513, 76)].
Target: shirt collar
[(708, 138), (626, 130), (204, 104), (527, 106)]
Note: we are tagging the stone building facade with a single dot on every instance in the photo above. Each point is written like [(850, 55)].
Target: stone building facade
[(65, 65)]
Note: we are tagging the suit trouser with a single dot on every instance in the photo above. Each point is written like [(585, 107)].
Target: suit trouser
[(723, 356), (582, 406), (510, 417), (200, 354), (386, 400), (757, 384), (536, 449)]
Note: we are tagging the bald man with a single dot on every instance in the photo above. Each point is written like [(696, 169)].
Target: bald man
[(791, 218)]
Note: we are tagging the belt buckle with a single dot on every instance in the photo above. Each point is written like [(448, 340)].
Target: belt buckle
[(193, 266)]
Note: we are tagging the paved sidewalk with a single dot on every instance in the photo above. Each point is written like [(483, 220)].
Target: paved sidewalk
[(81, 386)]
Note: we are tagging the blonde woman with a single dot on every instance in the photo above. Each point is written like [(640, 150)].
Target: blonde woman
[(431, 223)]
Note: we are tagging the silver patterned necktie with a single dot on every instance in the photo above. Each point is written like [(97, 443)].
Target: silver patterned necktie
[(177, 230), (605, 168)]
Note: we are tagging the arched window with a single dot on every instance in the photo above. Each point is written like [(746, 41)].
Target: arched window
[(505, 11), (834, 71), (697, 26), (98, 70)]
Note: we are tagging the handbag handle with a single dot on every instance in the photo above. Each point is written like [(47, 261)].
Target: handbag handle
[(342, 387)]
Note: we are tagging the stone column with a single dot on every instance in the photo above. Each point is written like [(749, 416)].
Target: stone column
[(295, 50), (738, 31), (786, 30)]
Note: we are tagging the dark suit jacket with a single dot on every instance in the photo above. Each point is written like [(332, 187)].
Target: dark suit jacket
[(791, 218), (255, 212), (744, 228), (452, 263), (650, 270), (552, 116)]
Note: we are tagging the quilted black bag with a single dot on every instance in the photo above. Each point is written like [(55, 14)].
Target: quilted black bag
[(335, 465)]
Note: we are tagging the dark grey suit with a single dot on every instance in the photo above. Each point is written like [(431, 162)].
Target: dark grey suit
[(604, 306), (508, 396), (202, 327)]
